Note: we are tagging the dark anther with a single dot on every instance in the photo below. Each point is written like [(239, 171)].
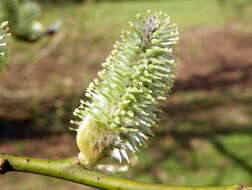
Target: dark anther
[(150, 26)]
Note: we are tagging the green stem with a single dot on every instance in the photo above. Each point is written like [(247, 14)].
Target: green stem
[(71, 170)]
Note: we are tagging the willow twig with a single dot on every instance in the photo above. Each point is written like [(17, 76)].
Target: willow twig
[(70, 170)]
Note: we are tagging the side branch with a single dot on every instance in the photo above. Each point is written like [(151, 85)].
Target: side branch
[(71, 170)]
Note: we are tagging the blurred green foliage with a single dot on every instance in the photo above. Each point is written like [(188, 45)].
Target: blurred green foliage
[(23, 16), (234, 9), (24, 19)]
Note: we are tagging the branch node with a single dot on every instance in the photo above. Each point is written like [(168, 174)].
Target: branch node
[(4, 166), (241, 187)]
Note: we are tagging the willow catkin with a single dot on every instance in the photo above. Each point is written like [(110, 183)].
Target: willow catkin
[(122, 105), (3, 44)]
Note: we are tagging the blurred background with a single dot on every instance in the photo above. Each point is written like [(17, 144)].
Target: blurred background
[(205, 136)]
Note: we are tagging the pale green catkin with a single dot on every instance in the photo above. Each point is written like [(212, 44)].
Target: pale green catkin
[(3, 43), (122, 105)]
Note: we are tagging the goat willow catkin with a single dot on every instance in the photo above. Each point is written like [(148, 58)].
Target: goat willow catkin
[(3, 35), (122, 105)]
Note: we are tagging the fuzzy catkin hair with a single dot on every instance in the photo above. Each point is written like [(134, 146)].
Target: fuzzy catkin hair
[(3, 51), (122, 105)]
